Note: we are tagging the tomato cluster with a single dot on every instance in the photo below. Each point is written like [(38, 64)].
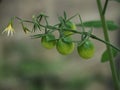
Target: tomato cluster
[(66, 46)]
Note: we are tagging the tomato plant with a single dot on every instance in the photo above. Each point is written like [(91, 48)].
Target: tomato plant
[(66, 28)]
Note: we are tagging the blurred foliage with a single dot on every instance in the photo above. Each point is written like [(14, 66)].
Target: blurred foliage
[(117, 0), (38, 73)]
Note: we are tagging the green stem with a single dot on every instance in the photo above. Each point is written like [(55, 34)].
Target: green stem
[(106, 36), (107, 43), (105, 7)]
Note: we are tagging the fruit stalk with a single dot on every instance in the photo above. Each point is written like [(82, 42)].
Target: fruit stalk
[(106, 36)]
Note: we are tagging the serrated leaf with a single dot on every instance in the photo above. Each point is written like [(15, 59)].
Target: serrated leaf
[(98, 24), (105, 56)]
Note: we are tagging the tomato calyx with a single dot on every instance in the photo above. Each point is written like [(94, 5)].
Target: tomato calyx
[(64, 46), (48, 41)]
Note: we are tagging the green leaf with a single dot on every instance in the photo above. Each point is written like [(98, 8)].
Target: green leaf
[(98, 24), (117, 0), (105, 56)]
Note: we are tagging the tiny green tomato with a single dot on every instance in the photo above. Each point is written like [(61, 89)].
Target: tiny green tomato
[(48, 41), (86, 50), (69, 26), (64, 48)]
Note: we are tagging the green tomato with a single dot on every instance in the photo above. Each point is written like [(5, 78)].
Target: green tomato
[(48, 41), (69, 26), (86, 50), (64, 48)]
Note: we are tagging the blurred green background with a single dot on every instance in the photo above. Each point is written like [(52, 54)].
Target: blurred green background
[(26, 65)]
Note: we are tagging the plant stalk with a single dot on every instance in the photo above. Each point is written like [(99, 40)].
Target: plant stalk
[(105, 7), (106, 36)]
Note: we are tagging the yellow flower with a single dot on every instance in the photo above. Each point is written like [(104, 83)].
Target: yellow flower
[(9, 30)]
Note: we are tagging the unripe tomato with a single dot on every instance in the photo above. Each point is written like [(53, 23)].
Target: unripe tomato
[(48, 41), (86, 50), (69, 26), (64, 48)]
